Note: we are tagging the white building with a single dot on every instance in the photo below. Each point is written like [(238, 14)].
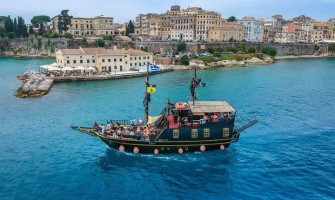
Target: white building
[(253, 29)]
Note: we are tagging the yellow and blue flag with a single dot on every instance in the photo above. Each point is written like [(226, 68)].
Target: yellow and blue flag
[(151, 88)]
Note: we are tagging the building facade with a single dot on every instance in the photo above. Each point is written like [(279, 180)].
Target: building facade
[(228, 31), (253, 29), (110, 60), (89, 27), (205, 22)]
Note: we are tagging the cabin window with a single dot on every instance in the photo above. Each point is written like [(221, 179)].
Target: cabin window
[(176, 134), (226, 132), (194, 133), (207, 133)]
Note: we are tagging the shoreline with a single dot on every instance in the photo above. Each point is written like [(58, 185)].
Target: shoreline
[(288, 57)]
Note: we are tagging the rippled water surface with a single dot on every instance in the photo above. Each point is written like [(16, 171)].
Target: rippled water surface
[(290, 154)]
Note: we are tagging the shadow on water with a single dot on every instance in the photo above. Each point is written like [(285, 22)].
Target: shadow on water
[(178, 173)]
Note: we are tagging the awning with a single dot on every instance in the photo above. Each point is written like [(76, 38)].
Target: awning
[(67, 69)]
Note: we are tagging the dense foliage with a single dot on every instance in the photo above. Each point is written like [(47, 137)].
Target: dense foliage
[(64, 21), (270, 51), (184, 60), (181, 46), (100, 42), (331, 47), (13, 28), (40, 19), (130, 28), (231, 19)]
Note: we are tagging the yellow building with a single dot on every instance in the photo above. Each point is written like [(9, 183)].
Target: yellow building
[(319, 32), (89, 27), (111, 60), (205, 22), (228, 31), (331, 28)]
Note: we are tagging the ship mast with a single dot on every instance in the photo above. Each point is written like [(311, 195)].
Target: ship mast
[(147, 96), (195, 83)]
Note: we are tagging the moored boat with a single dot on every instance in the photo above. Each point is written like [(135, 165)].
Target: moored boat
[(180, 127)]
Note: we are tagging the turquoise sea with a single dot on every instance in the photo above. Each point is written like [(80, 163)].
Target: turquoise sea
[(289, 154)]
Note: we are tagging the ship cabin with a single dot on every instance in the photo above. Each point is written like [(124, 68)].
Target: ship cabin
[(187, 114)]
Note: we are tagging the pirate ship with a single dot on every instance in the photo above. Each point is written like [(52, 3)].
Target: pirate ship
[(181, 127)]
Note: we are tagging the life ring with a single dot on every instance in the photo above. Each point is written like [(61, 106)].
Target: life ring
[(202, 148)]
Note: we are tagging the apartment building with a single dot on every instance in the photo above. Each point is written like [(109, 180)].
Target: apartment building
[(253, 29), (319, 32), (331, 28), (143, 22), (272, 26), (111, 60), (228, 31), (89, 27), (205, 22)]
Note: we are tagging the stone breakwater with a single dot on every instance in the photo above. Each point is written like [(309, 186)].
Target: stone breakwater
[(34, 84)]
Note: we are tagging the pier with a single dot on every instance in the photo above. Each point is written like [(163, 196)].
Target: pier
[(36, 84)]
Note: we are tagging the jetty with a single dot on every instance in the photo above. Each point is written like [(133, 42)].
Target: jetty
[(34, 84), (109, 76)]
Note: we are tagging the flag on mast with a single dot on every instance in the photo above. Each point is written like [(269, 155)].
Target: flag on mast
[(151, 88)]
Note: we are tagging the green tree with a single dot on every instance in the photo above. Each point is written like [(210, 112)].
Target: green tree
[(107, 37), (231, 19), (270, 51), (64, 21), (100, 42), (251, 50), (331, 48), (21, 28), (31, 30), (130, 28), (184, 60), (181, 46), (68, 35), (9, 25), (15, 26), (40, 19)]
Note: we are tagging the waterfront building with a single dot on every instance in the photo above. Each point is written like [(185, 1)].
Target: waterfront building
[(206, 21), (272, 26), (142, 23), (331, 28), (284, 36), (253, 29), (110, 60), (319, 32), (183, 27), (228, 31)]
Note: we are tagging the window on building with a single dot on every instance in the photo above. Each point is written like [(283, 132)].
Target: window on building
[(114, 59), (68, 61), (88, 61), (109, 60), (103, 60), (93, 61), (81, 61), (74, 61), (120, 59)]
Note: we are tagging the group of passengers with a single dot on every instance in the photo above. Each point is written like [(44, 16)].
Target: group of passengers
[(217, 117), (136, 130)]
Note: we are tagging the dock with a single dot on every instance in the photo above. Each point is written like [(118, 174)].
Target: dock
[(36, 84), (118, 75)]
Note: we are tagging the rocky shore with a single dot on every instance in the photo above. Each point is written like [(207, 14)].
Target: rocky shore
[(34, 85), (225, 63)]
